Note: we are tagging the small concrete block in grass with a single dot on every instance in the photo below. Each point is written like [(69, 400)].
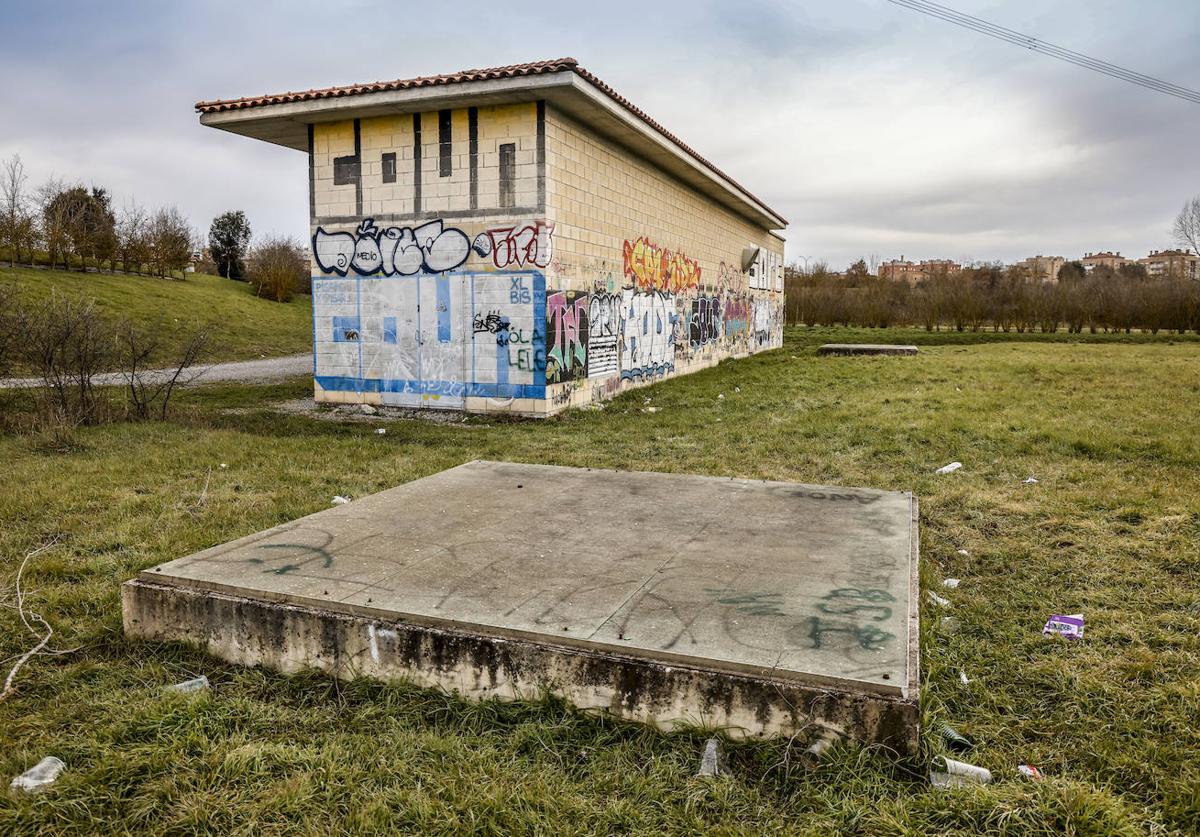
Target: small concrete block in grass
[(865, 349)]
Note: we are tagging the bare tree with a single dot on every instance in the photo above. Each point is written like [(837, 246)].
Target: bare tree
[(150, 388), (55, 222), (133, 244), (15, 223), (1187, 225), (277, 265), (171, 241)]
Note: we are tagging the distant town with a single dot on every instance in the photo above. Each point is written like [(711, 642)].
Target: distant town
[(1159, 264)]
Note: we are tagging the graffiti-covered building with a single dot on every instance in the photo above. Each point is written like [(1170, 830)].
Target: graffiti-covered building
[(517, 239)]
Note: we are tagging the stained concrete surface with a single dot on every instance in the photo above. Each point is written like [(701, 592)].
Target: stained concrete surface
[(810, 586), (866, 349)]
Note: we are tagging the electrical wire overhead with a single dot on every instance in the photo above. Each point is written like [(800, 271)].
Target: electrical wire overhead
[(1045, 48)]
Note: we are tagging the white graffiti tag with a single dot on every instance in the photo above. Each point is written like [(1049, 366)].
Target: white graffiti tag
[(431, 247)]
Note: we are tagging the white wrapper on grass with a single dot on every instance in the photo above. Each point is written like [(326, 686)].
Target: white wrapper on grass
[(964, 553), (962, 676), (948, 773), (1029, 481), (938, 600), (40, 776), (949, 469), (950, 583), (339, 500)]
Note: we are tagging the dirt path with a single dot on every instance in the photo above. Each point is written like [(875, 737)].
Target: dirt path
[(245, 371)]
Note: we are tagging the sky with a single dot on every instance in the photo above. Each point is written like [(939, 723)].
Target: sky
[(876, 131)]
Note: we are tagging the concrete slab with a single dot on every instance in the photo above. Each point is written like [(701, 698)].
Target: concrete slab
[(762, 606), (866, 349)]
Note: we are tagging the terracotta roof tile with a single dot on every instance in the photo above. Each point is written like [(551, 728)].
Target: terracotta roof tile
[(512, 71)]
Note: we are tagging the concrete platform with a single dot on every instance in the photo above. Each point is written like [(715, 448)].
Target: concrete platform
[(757, 606), (866, 349)]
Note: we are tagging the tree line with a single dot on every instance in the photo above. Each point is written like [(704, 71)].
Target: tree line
[(76, 226), (994, 297)]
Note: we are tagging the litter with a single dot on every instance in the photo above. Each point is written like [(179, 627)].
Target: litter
[(40, 776), (737, 389), (720, 395), (712, 763), (962, 676), (339, 500), (949, 469), (950, 583), (964, 553), (380, 431), (650, 410), (223, 465), (948, 773), (826, 738), (196, 684), (1029, 481), (938, 600), (1069, 626), (955, 740), (1030, 772)]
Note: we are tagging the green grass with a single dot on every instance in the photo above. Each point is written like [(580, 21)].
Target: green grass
[(1112, 529), (244, 327)]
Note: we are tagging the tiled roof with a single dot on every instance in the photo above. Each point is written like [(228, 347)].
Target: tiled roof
[(512, 71)]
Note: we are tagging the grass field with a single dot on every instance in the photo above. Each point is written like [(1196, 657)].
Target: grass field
[(244, 327), (1111, 529)]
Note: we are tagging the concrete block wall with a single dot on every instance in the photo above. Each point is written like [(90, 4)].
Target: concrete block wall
[(526, 266), (659, 263)]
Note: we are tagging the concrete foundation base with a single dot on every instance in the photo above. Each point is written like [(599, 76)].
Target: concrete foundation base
[(865, 349), (754, 606)]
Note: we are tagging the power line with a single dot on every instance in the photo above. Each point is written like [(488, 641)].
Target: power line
[(1045, 48)]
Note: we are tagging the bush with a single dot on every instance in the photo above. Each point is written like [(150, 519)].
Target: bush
[(277, 268)]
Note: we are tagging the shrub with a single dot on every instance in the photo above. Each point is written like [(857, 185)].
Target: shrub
[(277, 268)]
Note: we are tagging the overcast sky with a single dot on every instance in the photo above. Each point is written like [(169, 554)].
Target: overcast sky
[(871, 128)]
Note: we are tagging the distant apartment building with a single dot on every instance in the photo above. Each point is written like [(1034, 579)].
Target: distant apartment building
[(1091, 261), (903, 270), (1171, 263), (1042, 267)]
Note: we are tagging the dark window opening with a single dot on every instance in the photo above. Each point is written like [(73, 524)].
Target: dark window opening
[(445, 145), (508, 174), (389, 167), (345, 170)]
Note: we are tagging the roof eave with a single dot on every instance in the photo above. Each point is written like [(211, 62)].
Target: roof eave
[(286, 124)]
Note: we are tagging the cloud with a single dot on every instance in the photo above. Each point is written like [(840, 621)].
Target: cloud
[(872, 128)]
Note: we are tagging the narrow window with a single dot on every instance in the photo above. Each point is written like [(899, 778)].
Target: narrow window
[(345, 170), (445, 146), (389, 167), (508, 174)]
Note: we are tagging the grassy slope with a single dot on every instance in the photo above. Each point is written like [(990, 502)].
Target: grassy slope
[(1112, 529), (244, 326)]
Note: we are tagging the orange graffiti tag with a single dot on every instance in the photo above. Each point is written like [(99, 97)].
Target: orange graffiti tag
[(654, 268)]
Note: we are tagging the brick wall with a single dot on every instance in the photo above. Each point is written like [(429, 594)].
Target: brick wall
[(504, 258)]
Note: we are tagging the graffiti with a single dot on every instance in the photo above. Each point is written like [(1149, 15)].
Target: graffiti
[(762, 321), (730, 278), (647, 334), (844, 602), (604, 327), (736, 317), (754, 604), (867, 636), (431, 248), (529, 246), (704, 323), (566, 336), (491, 322), (653, 268), (518, 291)]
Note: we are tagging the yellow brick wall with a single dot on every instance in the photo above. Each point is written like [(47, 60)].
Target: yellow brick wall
[(600, 197)]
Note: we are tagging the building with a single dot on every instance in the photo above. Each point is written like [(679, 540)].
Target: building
[(1177, 264), (1045, 268), (902, 270), (515, 239), (1114, 261)]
